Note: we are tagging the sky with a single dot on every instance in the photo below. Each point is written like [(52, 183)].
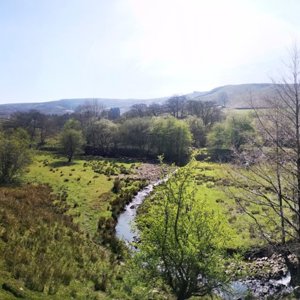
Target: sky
[(58, 49)]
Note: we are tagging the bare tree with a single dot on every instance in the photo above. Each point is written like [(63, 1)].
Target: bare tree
[(223, 99), (176, 105), (91, 110), (155, 109), (208, 111), (272, 180)]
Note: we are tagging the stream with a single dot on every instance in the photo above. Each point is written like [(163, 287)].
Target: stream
[(125, 229), (238, 290)]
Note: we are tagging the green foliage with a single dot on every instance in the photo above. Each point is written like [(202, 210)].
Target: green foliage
[(14, 154), (172, 138), (218, 137), (198, 131), (71, 141), (231, 134), (72, 124), (182, 238), (239, 131), (108, 168), (134, 283), (135, 132)]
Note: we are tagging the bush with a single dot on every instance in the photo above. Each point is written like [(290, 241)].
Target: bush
[(14, 154)]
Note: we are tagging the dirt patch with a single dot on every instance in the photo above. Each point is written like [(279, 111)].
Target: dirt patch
[(146, 171)]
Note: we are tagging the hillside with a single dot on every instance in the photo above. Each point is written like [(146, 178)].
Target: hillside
[(69, 105), (236, 96)]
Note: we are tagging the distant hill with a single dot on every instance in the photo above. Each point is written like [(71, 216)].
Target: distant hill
[(236, 96), (233, 96), (69, 105)]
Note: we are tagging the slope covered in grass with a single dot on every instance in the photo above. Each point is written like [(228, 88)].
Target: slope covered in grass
[(43, 254)]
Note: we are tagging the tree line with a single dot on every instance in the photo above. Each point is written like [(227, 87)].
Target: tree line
[(143, 131)]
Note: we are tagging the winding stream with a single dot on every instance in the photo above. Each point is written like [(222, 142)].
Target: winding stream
[(125, 229), (127, 232)]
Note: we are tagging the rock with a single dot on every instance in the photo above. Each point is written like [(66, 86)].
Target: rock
[(132, 206)]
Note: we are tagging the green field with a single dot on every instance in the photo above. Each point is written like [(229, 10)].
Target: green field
[(86, 192)]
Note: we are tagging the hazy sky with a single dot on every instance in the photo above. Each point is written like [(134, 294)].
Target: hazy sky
[(53, 49)]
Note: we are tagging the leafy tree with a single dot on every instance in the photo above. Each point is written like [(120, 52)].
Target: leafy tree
[(14, 154), (232, 134), (72, 124), (172, 138), (71, 140), (217, 137), (182, 239), (239, 130), (135, 133), (198, 131)]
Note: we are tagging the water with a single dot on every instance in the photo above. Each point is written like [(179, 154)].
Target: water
[(261, 289), (125, 228)]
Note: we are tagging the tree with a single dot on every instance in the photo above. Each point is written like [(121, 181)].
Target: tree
[(198, 131), (175, 106), (72, 124), (101, 134), (182, 239), (232, 134), (35, 123), (14, 154), (137, 111), (114, 113), (223, 99), (134, 133), (208, 111), (172, 138), (272, 180), (71, 139), (155, 109), (90, 110), (217, 137)]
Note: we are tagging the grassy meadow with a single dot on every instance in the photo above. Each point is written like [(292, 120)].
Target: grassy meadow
[(84, 185)]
